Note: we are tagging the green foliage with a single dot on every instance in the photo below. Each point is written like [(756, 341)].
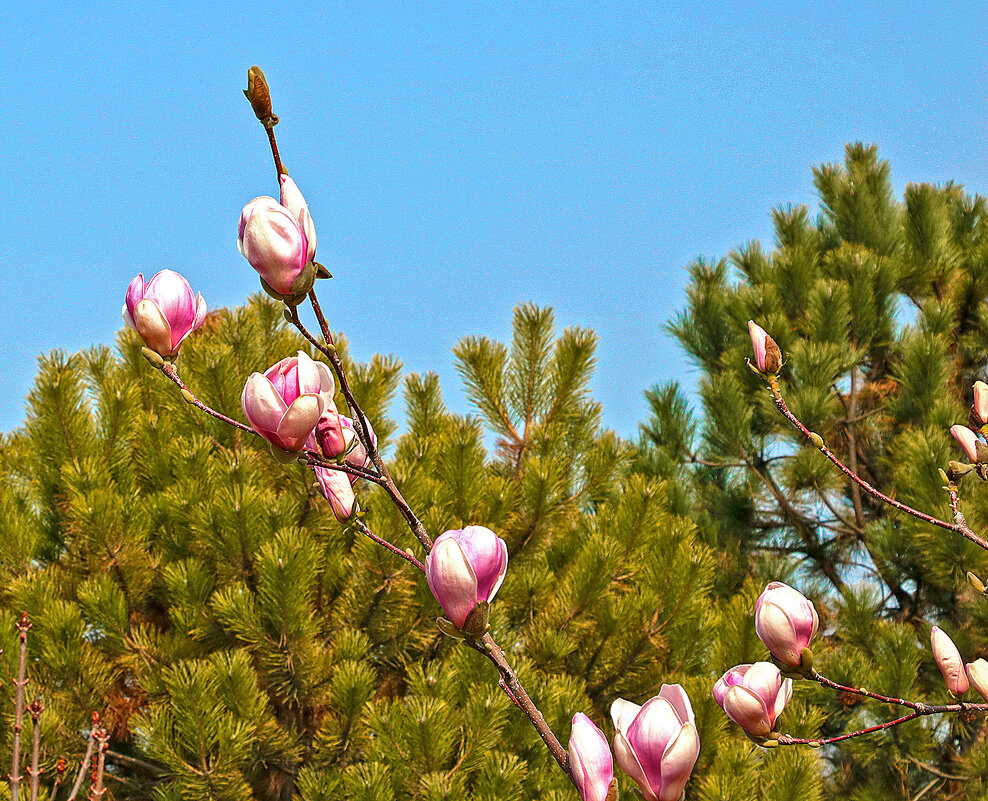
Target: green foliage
[(243, 644), (878, 307)]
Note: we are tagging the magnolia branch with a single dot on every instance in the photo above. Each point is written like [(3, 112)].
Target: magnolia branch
[(512, 686), (958, 526), (311, 458)]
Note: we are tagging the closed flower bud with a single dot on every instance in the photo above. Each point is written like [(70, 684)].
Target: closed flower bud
[(753, 696), (464, 567), (768, 357), (968, 441), (272, 240), (259, 95), (337, 487), (284, 403), (979, 409), (590, 760), (949, 661), (785, 621), (977, 674), (657, 744), (163, 311)]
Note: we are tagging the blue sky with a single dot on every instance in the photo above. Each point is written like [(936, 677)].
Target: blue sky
[(458, 158)]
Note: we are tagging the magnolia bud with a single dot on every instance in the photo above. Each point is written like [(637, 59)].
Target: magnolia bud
[(465, 567), (259, 95), (785, 621), (977, 673), (768, 357), (948, 659)]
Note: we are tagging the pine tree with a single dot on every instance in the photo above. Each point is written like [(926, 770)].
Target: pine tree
[(878, 306), (240, 643)]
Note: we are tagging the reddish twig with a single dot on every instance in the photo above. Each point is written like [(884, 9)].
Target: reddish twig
[(34, 772), (960, 528), (918, 708), (84, 766), (102, 738), (512, 686), (23, 626), (361, 527)]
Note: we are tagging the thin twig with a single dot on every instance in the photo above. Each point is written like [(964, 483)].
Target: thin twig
[(512, 686), (59, 776), (35, 709), (84, 767), (23, 625), (961, 529), (312, 459), (361, 527), (360, 421)]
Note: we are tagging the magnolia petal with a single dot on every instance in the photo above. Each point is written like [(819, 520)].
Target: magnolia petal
[(173, 295), (262, 404), (628, 760), (781, 699), (677, 762), (451, 579), (653, 727), (502, 570), (309, 377), (763, 679), (151, 324), (747, 710), (483, 550), (623, 714), (299, 421), (676, 695), (776, 630), (135, 294)]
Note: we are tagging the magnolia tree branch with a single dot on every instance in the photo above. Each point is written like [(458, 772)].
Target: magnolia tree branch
[(513, 688), (959, 526), (309, 458), (360, 421)]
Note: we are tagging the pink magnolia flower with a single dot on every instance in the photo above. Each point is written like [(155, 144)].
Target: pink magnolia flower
[(753, 696), (980, 406), (284, 404), (464, 567), (977, 674), (949, 661), (590, 759), (759, 340), (968, 441), (272, 240), (657, 744), (163, 311), (785, 621)]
